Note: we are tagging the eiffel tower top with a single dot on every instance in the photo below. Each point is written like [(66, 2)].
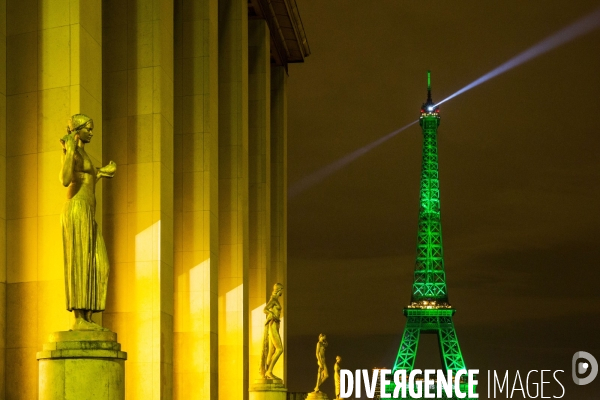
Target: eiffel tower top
[(429, 108), (429, 290)]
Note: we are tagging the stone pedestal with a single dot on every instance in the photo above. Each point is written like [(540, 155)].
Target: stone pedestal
[(267, 389), (82, 365), (317, 396)]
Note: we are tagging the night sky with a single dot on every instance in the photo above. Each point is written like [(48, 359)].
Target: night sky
[(520, 185)]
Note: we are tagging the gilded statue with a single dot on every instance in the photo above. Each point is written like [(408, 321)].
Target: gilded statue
[(85, 257), (272, 345), (336, 376), (322, 375)]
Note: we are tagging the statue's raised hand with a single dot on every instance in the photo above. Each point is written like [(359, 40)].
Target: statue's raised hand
[(69, 143)]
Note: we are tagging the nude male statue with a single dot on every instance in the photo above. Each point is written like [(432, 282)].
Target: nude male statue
[(322, 374)]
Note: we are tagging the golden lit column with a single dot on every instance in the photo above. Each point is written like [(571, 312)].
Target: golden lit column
[(278, 265), (138, 224), (196, 200), (53, 71), (233, 199), (2, 196), (259, 108)]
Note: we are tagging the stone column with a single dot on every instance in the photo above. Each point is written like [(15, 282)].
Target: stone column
[(278, 269), (2, 197), (196, 200), (233, 199), (259, 108), (138, 103), (53, 71)]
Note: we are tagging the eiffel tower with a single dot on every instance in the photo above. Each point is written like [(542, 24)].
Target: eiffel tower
[(429, 310)]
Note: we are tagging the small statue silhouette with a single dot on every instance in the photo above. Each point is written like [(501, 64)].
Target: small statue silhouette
[(322, 375), (272, 345), (336, 376)]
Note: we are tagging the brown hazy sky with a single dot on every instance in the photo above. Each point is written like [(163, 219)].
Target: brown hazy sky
[(520, 183)]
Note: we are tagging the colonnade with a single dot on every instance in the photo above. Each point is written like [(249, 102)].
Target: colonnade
[(187, 101)]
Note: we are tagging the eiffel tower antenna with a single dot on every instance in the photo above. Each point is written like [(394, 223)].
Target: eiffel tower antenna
[(429, 87), (429, 310)]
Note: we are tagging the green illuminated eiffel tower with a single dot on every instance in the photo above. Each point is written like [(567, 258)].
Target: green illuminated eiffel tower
[(429, 310)]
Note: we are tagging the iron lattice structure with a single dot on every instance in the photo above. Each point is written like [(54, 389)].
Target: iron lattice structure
[(430, 278), (429, 310)]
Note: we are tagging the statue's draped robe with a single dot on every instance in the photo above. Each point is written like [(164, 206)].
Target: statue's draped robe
[(85, 257)]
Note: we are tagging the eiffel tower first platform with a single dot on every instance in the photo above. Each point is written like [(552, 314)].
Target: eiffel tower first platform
[(430, 311)]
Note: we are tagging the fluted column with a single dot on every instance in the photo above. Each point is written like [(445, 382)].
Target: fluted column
[(278, 165), (259, 109), (196, 200), (2, 197), (233, 199), (138, 82)]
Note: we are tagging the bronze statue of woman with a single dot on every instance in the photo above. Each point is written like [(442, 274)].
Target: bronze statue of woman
[(272, 345), (85, 258)]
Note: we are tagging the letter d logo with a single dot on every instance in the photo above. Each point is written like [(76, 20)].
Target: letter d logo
[(583, 367)]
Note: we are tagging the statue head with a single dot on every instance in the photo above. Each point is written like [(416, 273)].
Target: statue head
[(81, 125), (277, 289), (338, 359), (322, 338)]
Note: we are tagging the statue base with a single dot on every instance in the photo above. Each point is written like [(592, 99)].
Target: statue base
[(267, 389), (83, 365), (317, 396)]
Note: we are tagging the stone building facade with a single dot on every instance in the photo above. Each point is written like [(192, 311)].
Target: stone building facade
[(189, 99)]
